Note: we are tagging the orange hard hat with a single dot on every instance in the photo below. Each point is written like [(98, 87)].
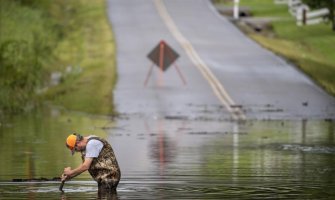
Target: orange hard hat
[(71, 141)]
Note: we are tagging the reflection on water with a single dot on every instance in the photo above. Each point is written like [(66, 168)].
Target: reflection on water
[(173, 158)]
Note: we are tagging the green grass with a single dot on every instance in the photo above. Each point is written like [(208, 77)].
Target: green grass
[(90, 48), (39, 38), (311, 48), (26, 41), (261, 8)]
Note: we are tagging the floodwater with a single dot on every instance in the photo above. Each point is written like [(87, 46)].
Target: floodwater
[(172, 158)]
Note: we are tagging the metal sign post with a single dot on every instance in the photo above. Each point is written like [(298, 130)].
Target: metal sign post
[(236, 9)]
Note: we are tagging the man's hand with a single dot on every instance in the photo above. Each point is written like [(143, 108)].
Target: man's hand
[(67, 172)]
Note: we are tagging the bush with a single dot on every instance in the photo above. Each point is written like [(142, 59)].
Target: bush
[(26, 44), (39, 38)]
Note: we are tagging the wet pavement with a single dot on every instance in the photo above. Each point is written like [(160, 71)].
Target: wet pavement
[(226, 72)]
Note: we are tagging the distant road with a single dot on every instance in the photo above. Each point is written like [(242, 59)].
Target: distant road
[(228, 75)]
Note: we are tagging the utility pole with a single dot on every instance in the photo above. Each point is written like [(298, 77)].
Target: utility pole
[(332, 14), (236, 10)]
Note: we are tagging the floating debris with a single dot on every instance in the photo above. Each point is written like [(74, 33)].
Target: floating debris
[(35, 179), (307, 148)]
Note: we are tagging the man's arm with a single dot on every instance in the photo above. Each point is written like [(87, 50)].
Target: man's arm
[(75, 172)]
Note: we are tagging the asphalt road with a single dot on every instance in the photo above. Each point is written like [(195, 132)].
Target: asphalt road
[(228, 76)]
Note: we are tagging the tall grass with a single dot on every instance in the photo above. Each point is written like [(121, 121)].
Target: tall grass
[(26, 42), (88, 49), (39, 37)]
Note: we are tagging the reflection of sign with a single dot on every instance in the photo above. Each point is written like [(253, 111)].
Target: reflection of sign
[(163, 56)]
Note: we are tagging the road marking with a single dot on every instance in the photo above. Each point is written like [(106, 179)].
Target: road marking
[(217, 87)]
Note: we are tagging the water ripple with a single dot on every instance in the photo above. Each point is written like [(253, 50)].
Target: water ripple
[(307, 148)]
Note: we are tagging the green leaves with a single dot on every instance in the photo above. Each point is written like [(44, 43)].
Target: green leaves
[(19, 73), (330, 4), (25, 45)]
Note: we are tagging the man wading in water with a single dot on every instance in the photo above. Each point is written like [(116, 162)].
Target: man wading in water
[(98, 158)]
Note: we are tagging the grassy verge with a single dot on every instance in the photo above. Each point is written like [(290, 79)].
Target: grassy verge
[(27, 38), (311, 48), (71, 39), (85, 57)]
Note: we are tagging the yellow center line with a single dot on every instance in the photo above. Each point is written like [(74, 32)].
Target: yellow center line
[(217, 87)]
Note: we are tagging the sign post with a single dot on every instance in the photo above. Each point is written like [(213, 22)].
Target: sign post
[(236, 9)]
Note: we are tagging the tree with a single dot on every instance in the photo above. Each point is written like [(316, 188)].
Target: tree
[(332, 13), (330, 4)]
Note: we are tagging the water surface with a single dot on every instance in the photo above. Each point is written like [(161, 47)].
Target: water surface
[(172, 158)]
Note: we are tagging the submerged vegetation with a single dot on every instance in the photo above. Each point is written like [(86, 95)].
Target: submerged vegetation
[(61, 51)]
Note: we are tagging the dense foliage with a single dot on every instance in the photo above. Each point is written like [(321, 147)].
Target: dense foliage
[(330, 4), (59, 51), (29, 32)]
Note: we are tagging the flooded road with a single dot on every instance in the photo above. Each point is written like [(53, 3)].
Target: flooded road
[(176, 141), (164, 158)]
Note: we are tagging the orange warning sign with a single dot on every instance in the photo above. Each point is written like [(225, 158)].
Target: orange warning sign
[(163, 56)]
